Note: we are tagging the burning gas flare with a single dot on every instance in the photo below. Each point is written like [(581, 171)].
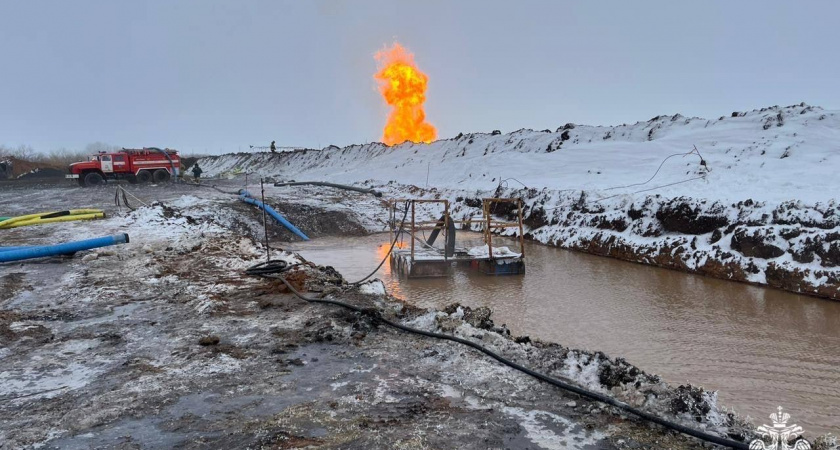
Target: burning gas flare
[(403, 86)]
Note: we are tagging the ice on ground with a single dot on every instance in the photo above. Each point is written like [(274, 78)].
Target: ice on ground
[(538, 428), (427, 321), (186, 201), (375, 287)]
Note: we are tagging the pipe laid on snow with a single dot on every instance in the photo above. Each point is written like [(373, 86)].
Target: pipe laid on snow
[(245, 196), (39, 251), (52, 217), (373, 192)]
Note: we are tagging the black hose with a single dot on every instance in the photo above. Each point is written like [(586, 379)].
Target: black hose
[(271, 266), (373, 192), (171, 162), (695, 151), (385, 258), (271, 269), (212, 187), (125, 200), (119, 195)]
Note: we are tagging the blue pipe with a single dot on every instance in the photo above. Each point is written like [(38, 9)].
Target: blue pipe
[(6, 249), (245, 196), (39, 251)]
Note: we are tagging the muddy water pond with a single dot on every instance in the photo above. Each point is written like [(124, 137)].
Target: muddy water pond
[(760, 348)]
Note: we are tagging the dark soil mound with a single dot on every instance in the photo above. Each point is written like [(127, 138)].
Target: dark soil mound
[(45, 172)]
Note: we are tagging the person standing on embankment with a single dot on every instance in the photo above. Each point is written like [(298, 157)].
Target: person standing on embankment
[(197, 173)]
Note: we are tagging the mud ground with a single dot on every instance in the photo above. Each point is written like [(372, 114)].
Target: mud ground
[(166, 343)]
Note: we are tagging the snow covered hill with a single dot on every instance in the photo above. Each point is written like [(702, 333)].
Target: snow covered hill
[(767, 154), (755, 202)]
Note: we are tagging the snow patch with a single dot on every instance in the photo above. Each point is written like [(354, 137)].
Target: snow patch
[(375, 287), (538, 424), (426, 322), (483, 251)]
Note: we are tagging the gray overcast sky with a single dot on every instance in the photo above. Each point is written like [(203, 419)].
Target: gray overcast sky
[(220, 75)]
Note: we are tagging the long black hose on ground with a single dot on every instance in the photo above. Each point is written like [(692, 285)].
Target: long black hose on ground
[(211, 187), (272, 269), (373, 192)]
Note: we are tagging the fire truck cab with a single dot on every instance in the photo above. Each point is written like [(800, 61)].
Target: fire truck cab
[(134, 165)]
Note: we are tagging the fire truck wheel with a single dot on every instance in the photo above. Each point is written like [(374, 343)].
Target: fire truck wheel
[(144, 176), (161, 176), (93, 179)]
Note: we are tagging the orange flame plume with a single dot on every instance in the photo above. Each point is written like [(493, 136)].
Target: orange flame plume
[(403, 86)]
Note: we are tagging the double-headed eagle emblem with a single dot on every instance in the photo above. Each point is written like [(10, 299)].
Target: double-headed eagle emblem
[(780, 435)]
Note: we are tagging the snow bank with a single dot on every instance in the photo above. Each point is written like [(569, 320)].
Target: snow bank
[(767, 154)]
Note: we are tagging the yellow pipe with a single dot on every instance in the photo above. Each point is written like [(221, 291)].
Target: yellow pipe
[(54, 220), (52, 217), (69, 212)]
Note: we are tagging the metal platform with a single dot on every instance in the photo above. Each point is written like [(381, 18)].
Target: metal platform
[(422, 259), (425, 265)]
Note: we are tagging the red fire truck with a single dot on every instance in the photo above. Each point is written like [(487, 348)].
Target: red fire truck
[(135, 165)]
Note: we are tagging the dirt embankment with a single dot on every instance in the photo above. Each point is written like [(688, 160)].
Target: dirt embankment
[(791, 246), (13, 168)]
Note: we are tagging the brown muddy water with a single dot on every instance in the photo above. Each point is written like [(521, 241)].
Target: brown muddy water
[(760, 348)]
